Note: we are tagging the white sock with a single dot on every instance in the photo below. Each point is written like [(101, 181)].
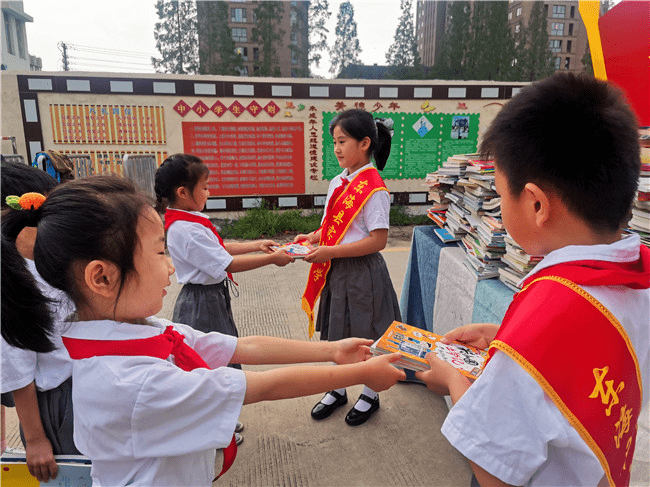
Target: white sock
[(362, 405), (330, 399)]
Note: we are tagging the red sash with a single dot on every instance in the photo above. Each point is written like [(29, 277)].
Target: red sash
[(343, 207), (591, 373), (170, 342), (172, 215)]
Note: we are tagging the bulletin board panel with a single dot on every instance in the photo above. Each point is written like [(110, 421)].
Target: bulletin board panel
[(249, 158), (420, 144)]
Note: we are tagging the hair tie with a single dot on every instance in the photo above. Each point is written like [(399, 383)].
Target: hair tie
[(28, 201), (386, 122)]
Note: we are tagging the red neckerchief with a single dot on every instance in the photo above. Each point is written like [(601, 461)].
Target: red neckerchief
[(598, 389), (170, 342), (172, 215)]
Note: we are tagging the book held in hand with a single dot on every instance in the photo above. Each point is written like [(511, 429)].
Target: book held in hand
[(296, 250), (414, 343)]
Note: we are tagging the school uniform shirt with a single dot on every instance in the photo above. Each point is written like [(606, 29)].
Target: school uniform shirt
[(505, 422), (48, 370), (143, 421), (196, 253), (373, 215)]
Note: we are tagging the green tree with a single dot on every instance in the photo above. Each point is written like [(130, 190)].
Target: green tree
[(176, 37), (451, 63), (217, 54), (538, 59), (403, 52), (299, 43), (489, 55), (267, 32), (346, 45), (319, 14)]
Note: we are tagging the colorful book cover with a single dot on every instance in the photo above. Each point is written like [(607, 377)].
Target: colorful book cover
[(414, 343), (296, 250), (74, 471)]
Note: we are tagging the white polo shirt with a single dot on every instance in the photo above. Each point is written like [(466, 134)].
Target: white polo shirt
[(144, 421)]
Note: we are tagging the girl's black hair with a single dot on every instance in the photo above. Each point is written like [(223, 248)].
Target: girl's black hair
[(176, 171), (359, 124), (88, 219), (26, 319), (18, 179)]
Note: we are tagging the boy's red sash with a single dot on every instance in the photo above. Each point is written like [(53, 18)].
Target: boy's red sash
[(170, 342), (341, 211), (580, 355)]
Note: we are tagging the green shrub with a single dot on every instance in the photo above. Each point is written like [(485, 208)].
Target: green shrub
[(399, 216)]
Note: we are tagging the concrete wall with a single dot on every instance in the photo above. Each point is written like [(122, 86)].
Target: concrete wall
[(166, 114)]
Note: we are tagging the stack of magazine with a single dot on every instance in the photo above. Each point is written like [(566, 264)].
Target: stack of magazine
[(640, 221), (414, 343), (518, 264)]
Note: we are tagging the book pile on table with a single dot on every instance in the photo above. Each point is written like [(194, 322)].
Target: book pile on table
[(640, 221), (518, 264), (485, 246)]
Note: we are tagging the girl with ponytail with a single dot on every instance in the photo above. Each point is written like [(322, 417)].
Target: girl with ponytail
[(357, 298)]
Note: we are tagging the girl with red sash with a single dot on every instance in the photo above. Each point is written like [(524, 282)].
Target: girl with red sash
[(559, 401), (347, 272), (153, 399)]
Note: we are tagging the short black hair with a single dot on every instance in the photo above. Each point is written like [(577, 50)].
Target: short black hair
[(17, 179), (576, 136), (176, 171)]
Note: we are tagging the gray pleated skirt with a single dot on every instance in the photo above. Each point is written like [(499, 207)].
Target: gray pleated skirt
[(205, 308), (55, 407), (358, 299)]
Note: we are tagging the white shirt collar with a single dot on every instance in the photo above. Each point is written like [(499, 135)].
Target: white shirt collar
[(115, 330), (624, 250)]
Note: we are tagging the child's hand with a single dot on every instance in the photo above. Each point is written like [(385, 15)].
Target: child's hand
[(310, 237), (265, 246), (323, 253), (351, 350), (381, 374), (281, 258), (475, 334), (441, 374)]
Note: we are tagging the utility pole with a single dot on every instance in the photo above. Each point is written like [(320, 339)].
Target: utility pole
[(64, 51)]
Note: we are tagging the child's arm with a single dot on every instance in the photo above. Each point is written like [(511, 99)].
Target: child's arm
[(288, 382), (38, 449), (257, 350), (374, 242), (238, 248), (242, 263)]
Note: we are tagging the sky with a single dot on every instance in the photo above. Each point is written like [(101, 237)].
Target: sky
[(128, 25)]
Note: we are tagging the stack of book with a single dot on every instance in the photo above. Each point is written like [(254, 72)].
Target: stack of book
[(640, 222), (518, 264)]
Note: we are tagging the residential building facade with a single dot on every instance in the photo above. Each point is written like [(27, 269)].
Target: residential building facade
[(291, 51), (566, 30), (15, 54)]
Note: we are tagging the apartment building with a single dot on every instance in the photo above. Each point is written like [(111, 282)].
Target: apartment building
[(15, 54), (241, 21), (567, 33), (566, 30)]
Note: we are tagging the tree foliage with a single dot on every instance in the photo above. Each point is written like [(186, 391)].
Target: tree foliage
[(451, 61), (538, 58), (267, 32), (176, 37), (490, 53), (299, 43), (319, 14), (346, 45), (403, 52), (217, 54)]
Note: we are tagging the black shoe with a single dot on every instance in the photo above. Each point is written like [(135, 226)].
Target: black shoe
[(356, 417), (322, 411)]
